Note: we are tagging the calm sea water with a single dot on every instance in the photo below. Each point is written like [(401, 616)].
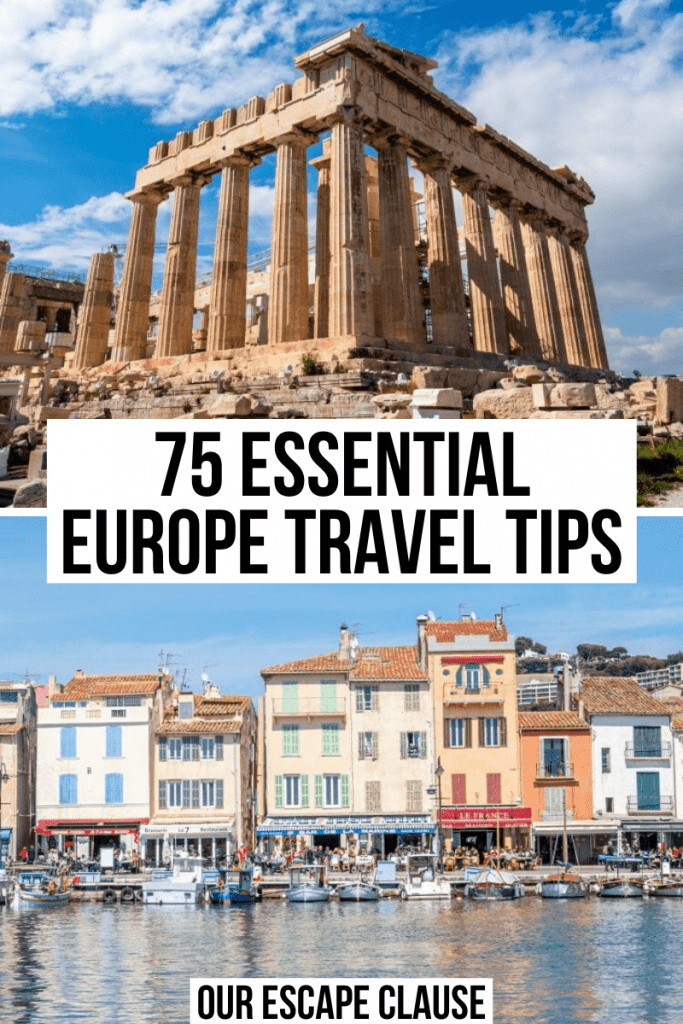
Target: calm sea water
[(604, 961)]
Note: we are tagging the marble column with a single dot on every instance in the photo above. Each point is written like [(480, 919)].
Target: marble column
[(321, 293), (542, 287), (597, 352), (288, 291), (227, 321), (402, 312), (576, 346), (6, 255), (15, 306), (446, 289), (176, 309), (374, 249), (92, 333), (486, 300), (517, 308), (132, 315), (350, 304)]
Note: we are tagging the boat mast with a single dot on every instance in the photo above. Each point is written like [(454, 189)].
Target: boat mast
[(565, 848)]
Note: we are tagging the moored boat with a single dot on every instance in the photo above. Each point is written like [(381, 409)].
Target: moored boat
[(670, 887), (242, 891), (183, 886), (565, 886), (620, 887), (40, 888), (423, 882), (305, 891), (492, 883), (359, 891)]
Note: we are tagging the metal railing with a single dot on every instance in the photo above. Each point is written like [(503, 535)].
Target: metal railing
[(559, 770), (648, 750), (47, 273), (546, 815), (662, 805), (309, 706)]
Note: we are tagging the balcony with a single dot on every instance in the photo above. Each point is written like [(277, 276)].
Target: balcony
[(652, 805), (474, 695), (309, 707), (555, 815), (645, 752), (552, 771)]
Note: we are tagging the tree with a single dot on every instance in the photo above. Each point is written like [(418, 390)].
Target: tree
[(589, 652)]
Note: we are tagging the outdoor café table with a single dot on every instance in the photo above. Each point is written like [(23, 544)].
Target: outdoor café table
[(613, 861)]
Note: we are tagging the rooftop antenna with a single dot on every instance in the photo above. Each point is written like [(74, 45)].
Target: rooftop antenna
[(504, 606), (462, 606)]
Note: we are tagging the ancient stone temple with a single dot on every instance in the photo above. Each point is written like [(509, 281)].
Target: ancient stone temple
[(523, 288)]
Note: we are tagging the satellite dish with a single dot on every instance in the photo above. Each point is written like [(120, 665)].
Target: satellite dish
[(431, 616), (205, 678), (353, 643)]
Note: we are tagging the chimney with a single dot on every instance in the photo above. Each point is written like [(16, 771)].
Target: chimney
[(53, 687), (344, 642), (422, 641), (499, 620)]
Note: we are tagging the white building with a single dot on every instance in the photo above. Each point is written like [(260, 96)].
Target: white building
[(17, 765), (632, 752), (94, 770)]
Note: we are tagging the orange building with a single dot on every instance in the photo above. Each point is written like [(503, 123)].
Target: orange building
[(556, 769), (471, 667)]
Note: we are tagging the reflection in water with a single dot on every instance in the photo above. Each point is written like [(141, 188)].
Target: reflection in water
[(588, 960)]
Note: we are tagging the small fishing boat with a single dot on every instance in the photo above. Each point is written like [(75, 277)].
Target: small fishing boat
[(359, 891), (242, 891), (423, 882), (669, 887), (41, 888), (620, 886), (183, 885), (493, 883), (563, 886), (301, 891)]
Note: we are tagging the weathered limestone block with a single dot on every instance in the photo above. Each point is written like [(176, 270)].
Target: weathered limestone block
[(31, 495), (430, 376), (606, 399), (31, 336), (507, 383), (437, 398), (230, 405), (392, 401), (669, 407), (529, 374), (517, 404), (578, 414), (564, 396)]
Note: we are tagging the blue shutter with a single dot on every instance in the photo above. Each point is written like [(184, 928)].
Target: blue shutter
[(67, 745), (113, 741), (113, 788)]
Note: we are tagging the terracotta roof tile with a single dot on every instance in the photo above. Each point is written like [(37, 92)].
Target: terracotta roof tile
[(86, 687), (212, 725), (318, 663), (226, 704), (619, 695), (675, 706), (446, 632), (387, 663), (552, 720)]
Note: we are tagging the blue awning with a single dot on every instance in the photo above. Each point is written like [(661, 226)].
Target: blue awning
[(337, 827)]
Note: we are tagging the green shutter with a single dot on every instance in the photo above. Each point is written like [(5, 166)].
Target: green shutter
[(359, 698), (290, 740), (290, 698), (278, 791), (344, 790), (304, 790), (328, 697), (330, 739), (318, 790)]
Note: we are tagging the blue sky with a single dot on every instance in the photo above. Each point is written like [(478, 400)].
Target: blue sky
[(90, 85), (237, 630)]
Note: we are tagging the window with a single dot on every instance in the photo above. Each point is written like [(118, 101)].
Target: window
[(113, 789), (175, 748), (414, 795), (67, 741), (492, 732), (367, 698), (330, 738), (368, 745), (208, 748), (373, 797), (175, 793), (219, 749), (190, 748), (185, 709), (411, 697), (472, 677), (553, 756), (208, 794), (459, 732), (112, 744), (292, 791), (647, 741), (413, 744), (68, 789), (331, 790), (290, 740), (606, 754), (609, 805), (554, 803), (124, 702), (9, 697), (118, 713)]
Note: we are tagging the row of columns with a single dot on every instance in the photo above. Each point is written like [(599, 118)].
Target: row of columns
[(530, 288)]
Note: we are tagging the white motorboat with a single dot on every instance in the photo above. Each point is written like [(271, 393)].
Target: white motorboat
[(423, 881), (359, 891), (492, 883), (308, 891), (184, 885)]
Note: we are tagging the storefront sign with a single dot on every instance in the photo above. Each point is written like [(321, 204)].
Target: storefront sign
[(485, 817)]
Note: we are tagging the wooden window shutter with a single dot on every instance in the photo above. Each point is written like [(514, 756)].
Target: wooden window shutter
[(404, 744), (304, 790), (186, 792), (423, 744), (344, 790), (503, 732), (493, 788), (482, 732), (359, 698), (447, 732), (219, 793), (219, 748), (375, 745), (375, 698), (278, 791), (361, 746), (162, 794), (318, 787), (458, 785), (163, 747), (468, 732)]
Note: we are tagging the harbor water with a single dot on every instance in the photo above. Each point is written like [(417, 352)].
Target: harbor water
[(552, 962)]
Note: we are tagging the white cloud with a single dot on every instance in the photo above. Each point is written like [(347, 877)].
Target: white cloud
[(649, 355), (608, 100)]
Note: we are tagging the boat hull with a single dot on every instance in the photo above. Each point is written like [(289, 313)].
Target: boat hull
[(492, 891), (359, 892), (308, 894), (621, 888), (178, 895), (563, 888), (666, 889), (43, 899)]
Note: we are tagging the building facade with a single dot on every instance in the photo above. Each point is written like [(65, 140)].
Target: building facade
[(17, 766), (204, 777), (95, 767)]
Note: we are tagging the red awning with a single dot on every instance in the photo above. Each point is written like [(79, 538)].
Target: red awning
[(475, 659), (485, 817), (85, 827)]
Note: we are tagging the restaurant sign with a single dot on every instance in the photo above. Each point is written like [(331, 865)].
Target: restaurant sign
[(485, 817)]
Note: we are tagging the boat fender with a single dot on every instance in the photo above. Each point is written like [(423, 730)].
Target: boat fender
[(539, 888), (109, 896), (127, 894), (139, 896)]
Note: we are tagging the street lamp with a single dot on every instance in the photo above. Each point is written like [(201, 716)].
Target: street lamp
[(4, 777), (439, 827)]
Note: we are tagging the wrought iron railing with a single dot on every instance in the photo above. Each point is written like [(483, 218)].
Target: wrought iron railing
[(646, 805), (555, 770), (648, 750)]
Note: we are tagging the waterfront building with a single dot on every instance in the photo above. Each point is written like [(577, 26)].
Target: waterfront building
[(17, 765), (632, 759), (204, 769), (347, 749), (471, 666), (556, 771), (95, 756)]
